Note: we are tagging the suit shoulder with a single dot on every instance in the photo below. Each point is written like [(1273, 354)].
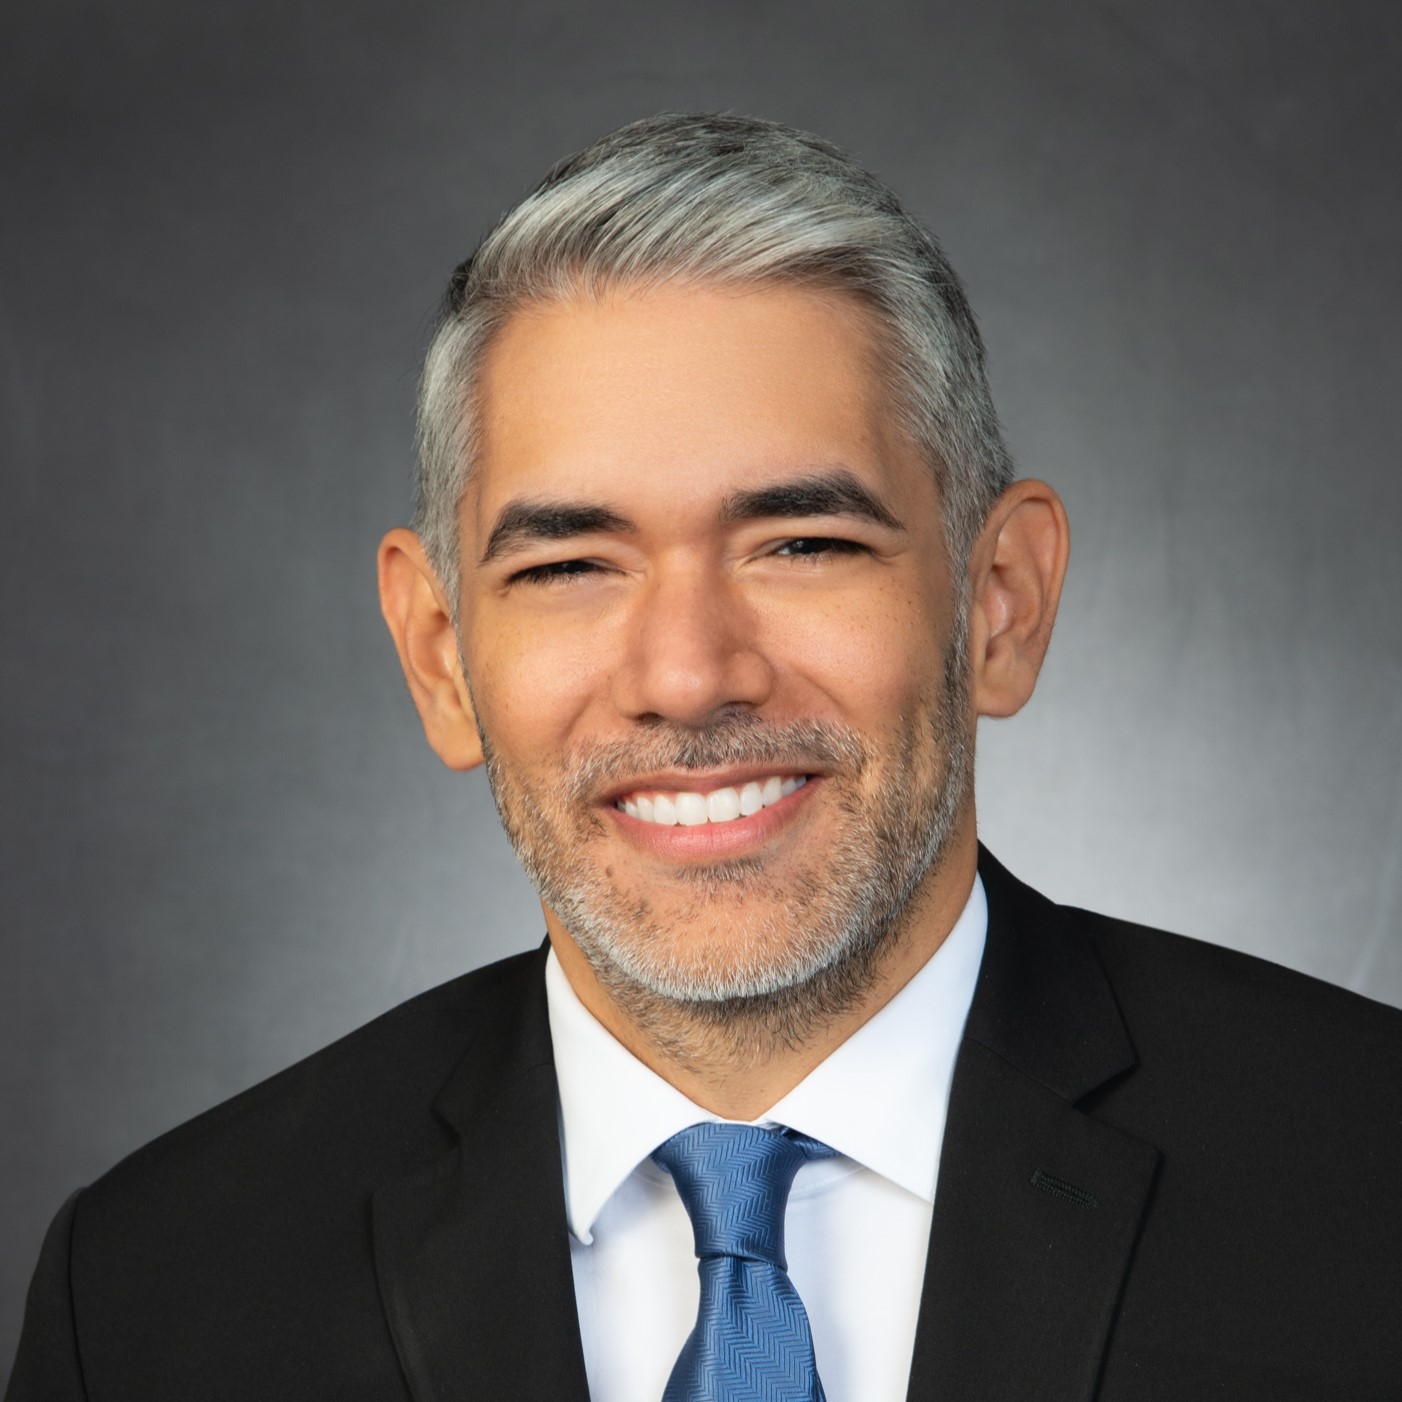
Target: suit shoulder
[(1275, 1102), (263, 1205), (1213, 977), (1242, 1031), (372, 1087)]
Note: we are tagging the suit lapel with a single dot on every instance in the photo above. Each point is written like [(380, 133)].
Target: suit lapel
[(473, 1250), (1038, 1204)]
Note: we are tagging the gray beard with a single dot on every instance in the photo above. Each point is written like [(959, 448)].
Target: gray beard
[(822, 946)]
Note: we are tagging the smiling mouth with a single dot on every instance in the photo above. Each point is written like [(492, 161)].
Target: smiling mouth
[(725, 805)]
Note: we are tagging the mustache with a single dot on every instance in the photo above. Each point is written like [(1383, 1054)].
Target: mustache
[(743, 739)]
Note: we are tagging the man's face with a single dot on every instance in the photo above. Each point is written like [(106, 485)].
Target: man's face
[(712, 637)]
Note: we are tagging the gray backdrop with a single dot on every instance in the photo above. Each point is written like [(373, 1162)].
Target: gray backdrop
[(225, 228)]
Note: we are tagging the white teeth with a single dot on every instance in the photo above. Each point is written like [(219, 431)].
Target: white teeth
[(719, 806)]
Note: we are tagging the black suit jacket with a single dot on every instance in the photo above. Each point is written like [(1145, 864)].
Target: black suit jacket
[(1169, 1172)]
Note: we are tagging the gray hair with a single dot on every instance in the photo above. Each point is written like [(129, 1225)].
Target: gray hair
[(718, 200)]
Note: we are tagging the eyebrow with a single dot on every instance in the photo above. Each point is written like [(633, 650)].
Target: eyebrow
[(524, 522), (832, 492)]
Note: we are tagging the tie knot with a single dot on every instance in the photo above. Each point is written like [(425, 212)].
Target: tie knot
[(734, 1181)]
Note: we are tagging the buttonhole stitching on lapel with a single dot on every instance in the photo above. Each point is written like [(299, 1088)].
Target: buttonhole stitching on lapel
[(1060, 1188)]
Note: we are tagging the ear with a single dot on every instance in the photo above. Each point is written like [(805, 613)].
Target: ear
[(1016, 569), (421, 625)]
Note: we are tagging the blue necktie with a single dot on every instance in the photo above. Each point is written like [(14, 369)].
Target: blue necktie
[(752, 1341)]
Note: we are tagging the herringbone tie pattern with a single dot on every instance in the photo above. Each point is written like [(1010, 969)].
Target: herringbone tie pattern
[(752, 1341)]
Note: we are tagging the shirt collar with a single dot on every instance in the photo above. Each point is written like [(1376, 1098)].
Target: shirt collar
[(880, 1098)]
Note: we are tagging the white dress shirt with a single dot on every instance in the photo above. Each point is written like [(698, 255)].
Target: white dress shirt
[(857, 1225)]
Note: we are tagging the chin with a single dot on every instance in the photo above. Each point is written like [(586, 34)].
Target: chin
[(760, 955)]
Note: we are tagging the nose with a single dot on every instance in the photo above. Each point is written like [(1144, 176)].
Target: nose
[(692, 653)]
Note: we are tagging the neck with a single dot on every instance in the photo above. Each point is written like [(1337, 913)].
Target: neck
[(740, 1057)]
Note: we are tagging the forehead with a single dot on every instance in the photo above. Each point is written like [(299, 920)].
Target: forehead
[(681, 392)]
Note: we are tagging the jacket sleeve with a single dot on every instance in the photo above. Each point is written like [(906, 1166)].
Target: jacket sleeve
[(47, 1368)]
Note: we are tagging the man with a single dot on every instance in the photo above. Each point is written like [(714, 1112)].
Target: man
[(718, 558)]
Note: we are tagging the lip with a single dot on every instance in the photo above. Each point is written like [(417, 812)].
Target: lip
[(714, 841)]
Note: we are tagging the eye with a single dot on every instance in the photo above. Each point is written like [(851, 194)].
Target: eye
[(814, 547), (554, 572)]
